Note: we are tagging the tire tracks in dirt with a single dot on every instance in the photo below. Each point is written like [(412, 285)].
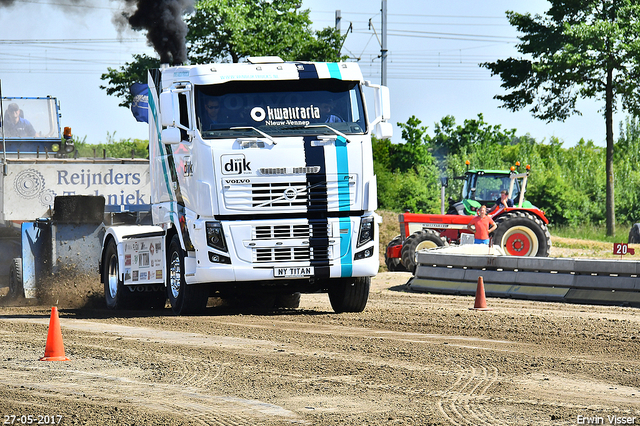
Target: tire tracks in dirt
[(179, 399), (462, 403)]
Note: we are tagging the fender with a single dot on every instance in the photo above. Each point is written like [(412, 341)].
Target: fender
[(121, 233), (536, 212)]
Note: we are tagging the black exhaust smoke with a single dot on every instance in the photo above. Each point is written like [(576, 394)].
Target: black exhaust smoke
[(162, 19)]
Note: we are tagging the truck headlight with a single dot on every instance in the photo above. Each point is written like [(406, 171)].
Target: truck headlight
[(366, 231), (215, 236)]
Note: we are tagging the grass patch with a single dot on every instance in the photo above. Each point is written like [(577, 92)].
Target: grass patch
[(591, 232)]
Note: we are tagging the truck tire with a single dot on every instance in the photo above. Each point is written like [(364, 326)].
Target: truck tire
[(349, 294), (394, 263), (634, 234), (116, 295), (287, 301), (185, 299), (419, 240), (522, 234), (16, 290)]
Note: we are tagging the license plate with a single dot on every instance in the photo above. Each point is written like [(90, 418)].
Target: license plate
[(304, 271)]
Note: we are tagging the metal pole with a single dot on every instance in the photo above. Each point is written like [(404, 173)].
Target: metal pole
[(383, 50), (2, 126), (338, 19)]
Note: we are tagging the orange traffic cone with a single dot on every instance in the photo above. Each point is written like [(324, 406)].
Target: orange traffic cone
[(481, 301), (54, 351)]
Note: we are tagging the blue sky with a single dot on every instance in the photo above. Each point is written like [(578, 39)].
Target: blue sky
[(434, 51)]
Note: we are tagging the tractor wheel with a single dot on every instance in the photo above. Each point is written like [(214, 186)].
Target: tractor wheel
[(394, 263), (634, 234), (425, 239), (522, 234)]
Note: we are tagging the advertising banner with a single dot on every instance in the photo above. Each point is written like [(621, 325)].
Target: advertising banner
[(29, 188)]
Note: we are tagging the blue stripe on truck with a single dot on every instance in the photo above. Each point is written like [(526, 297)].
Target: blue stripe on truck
[(344, 203), (334, 70)]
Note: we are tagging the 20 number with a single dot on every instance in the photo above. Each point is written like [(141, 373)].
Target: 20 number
[(620, 248)]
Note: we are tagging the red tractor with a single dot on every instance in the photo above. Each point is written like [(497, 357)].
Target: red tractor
[(522, 229)]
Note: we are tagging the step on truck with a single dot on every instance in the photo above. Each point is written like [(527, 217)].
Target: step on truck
[(262, 188)]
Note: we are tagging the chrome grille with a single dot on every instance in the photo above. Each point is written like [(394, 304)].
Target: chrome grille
[(289, 254), (279, 194), (312, 195), (268, 232)]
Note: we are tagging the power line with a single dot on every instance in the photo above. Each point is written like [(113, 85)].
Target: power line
[(76, 5), (456, 34), (416, 15), (72, 41)]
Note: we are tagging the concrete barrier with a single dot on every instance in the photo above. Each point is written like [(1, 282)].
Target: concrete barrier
[(611, 282)]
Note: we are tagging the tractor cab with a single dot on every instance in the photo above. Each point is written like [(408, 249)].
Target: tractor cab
[(32, 126), (483, 187)]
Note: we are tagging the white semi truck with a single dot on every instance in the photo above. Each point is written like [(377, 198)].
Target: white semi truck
[(262, 185)]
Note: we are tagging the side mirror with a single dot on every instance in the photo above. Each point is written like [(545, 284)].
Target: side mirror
[(168, 109), (384, 130), (382, 107), (170, 136)]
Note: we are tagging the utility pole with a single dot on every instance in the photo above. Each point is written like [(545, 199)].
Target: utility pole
[(338, 19), (383, 47)]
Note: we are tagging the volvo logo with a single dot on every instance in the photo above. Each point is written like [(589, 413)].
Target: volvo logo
[(290, 193)]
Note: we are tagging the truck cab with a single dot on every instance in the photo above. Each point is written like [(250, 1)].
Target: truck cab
[(262, 183)]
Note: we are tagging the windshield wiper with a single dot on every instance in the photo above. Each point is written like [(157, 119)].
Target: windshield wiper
[(316, 126), (263, 134)]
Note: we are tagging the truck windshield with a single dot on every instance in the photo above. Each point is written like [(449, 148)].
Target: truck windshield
[(279, 108), (30, 118)]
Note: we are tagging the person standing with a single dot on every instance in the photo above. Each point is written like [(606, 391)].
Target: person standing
[(482, 225)]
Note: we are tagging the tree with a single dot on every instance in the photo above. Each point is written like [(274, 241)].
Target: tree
[(414, 152), (451, 139), (231, 30), (579, 49), (121, 80)]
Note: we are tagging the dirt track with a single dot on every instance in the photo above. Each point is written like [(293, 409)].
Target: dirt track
[(408, 359)]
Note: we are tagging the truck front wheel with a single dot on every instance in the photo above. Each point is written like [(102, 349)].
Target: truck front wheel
[(185, 299), (115, 293), (288, 301), (349, 294)]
